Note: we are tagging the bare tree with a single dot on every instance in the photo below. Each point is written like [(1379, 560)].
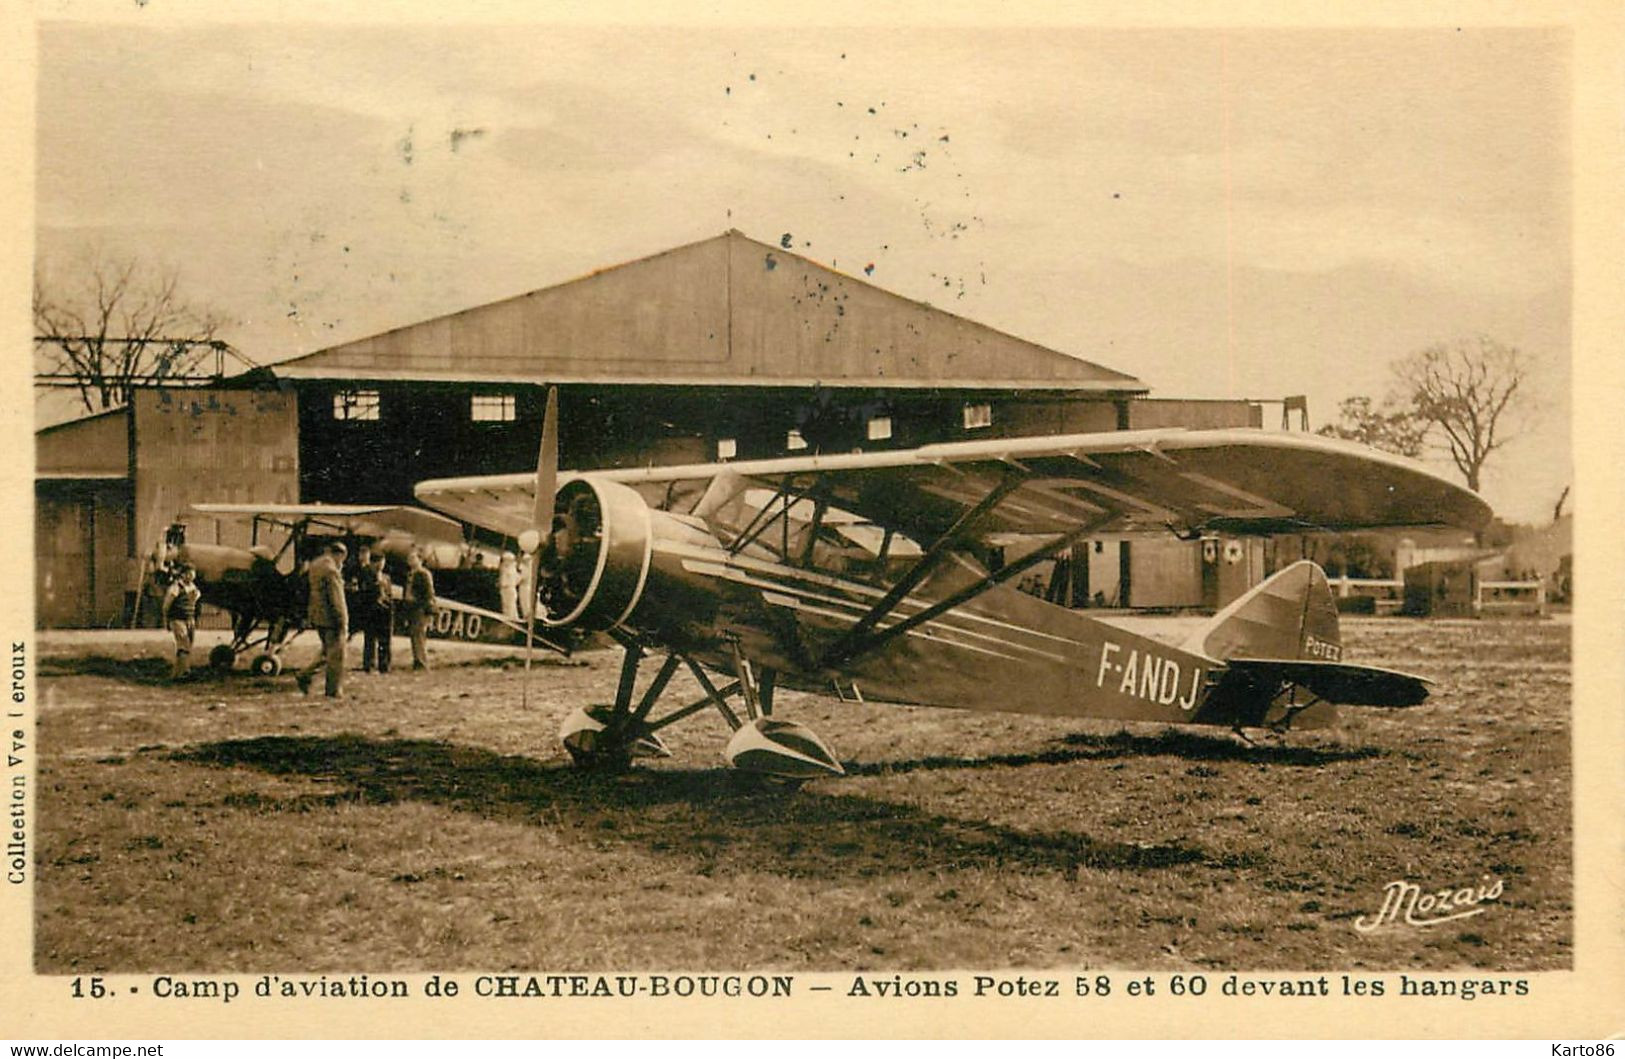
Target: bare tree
[(120, 325), (1389, 427), (1471, 392)]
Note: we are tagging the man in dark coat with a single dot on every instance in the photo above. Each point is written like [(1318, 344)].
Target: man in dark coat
[(327, 613), (375, 601)]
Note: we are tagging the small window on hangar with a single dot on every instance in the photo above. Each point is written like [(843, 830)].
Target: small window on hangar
[(491, 408), (794, 441), (727, 448), (978, 416), (356, 405), (880, 428)]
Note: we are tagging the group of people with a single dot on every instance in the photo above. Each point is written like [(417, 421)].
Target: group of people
[(328, 612), (329, 615)]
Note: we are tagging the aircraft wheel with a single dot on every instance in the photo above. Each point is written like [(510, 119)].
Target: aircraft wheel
[(601, 759), (585, 734), (266, 665), (222, 656)]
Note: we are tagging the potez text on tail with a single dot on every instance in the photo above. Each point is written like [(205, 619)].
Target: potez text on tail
[(1282, 652)]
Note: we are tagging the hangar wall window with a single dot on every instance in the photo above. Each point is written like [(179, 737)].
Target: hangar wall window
[(880, 428), (794, 441), (491, 407), (727, 448), (355, 404), (978, 416)]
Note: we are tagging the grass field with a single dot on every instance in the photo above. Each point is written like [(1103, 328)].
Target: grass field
[(428, 822)]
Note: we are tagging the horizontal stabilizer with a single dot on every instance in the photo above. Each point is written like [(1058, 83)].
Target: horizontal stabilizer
[(1336, 682)]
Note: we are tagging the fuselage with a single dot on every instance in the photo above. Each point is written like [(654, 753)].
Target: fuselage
[(1004, 650), (670, 580)]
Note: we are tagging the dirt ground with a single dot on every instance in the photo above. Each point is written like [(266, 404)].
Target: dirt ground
[(429, 821)]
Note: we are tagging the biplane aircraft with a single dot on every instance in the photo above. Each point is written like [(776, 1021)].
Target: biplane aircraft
[(262, 587), (870, 576)]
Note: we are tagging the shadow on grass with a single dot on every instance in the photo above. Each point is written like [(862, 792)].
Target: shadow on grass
[(152, 672), (1081, 746), (542, 659), (149, 671), (711, 816)]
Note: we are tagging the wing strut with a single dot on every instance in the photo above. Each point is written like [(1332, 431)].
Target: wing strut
[(766, 516), (820, 506), (849, 644), (873, 638)]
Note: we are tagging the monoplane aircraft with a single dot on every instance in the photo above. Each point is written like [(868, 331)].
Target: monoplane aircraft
[(868, 576), (263, 587)]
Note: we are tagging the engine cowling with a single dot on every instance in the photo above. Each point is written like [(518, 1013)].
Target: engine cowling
[(596, 564), (216, 562)]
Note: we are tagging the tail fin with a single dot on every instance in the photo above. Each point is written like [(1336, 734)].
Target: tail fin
[(1281, 636), (1289, 616)]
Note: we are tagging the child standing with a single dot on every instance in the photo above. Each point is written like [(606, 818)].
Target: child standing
[(181, 605)]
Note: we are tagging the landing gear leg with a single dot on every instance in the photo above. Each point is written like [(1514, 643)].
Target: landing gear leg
[(748, 685), (613, 736), (617, 734), (765, 682), (783, 750)]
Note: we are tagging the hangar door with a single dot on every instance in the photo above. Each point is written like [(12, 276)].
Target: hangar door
[(81, 552)]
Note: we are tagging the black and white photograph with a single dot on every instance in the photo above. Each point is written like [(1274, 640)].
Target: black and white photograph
[(723, 510)]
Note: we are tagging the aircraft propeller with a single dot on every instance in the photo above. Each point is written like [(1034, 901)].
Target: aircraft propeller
[(536, 537)]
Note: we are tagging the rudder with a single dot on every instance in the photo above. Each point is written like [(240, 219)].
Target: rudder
[(1291, 615)]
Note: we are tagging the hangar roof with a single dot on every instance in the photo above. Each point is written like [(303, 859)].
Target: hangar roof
[(96, 446), (724, 311)]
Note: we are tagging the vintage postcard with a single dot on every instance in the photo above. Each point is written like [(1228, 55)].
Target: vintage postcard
[(691, 523)]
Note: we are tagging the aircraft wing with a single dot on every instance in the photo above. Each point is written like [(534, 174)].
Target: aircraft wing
[(1236, 481), (421, 523), (291, 511), (374, 520)]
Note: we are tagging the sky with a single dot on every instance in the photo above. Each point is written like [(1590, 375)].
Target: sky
[(1220, 212)]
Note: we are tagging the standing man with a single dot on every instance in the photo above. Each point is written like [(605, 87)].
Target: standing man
[(355, 575), (182, 602), (375, 599), (328, 614), (419, 602), (508, 585), (527, 589)]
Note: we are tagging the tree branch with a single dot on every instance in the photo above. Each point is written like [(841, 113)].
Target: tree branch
[(124, 324)]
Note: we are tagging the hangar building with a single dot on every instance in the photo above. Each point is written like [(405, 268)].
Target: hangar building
[(725, 348), (105, 487), (720, 349)]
